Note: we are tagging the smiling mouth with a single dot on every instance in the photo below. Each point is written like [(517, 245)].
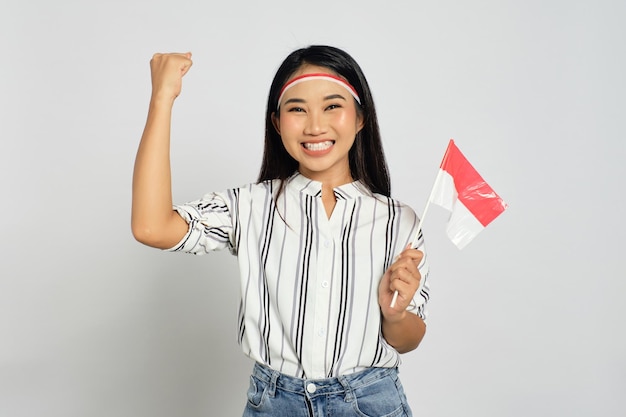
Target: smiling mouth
[(318, 146)]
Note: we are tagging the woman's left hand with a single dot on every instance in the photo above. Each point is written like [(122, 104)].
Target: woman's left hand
[(404, 277)]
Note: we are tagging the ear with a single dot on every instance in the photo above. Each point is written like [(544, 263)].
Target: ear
[(276, 122), (360, 122)]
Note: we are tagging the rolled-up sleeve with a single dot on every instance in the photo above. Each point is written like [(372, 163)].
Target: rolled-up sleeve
[(210, 225), (422, 295)]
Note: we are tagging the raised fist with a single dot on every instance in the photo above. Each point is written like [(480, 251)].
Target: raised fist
[(167, 72)]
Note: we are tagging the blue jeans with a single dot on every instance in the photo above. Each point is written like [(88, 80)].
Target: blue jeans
[(375, 392)]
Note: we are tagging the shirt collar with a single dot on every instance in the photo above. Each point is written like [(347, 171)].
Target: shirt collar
[(313, 188)]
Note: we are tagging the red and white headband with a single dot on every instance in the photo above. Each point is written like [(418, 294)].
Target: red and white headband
[(317, 76)]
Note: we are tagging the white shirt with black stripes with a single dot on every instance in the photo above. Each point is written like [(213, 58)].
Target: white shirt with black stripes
[(309, 283)]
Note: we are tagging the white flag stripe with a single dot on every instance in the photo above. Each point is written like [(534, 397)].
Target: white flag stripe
[(462, 226), (444, 192)]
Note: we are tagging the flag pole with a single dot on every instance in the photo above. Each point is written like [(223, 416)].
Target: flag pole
[(419, 226), (417, 235), (430, 197)]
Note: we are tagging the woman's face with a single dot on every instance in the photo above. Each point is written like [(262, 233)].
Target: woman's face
[(318, 122)]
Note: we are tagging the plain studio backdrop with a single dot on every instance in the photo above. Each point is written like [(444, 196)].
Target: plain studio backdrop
[(527, 320)]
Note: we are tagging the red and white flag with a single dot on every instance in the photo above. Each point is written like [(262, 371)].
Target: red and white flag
[(460, 189)]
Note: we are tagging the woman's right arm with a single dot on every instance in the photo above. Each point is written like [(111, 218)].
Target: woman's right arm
[(153, 221)]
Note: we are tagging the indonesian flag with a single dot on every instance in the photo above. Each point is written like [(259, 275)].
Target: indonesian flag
[(462, 191)]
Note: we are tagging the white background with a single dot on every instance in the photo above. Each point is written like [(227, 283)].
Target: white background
[(527, 320)]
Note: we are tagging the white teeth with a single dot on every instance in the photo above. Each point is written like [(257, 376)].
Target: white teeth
[(319, 146)]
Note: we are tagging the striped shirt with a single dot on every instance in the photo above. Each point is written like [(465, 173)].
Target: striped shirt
[(309, 283)]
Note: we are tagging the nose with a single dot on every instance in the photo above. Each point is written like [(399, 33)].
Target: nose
[(315, 124)]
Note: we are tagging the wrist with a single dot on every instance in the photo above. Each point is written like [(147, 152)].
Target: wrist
[(160, 100), (396, 317)]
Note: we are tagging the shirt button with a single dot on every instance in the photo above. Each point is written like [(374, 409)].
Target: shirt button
[(325, 284), (311, 388), (326, 243), (322, 332)]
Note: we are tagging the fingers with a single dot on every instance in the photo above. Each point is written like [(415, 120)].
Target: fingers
[(187, 63), (175, 59), (404, 274), (160, 55), (407, 258), (405, 281)]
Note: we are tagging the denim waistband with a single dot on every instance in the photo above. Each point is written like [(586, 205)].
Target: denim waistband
[(315, 387)]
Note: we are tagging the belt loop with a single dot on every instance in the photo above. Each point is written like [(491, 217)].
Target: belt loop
[(346, 386), (273, 381)]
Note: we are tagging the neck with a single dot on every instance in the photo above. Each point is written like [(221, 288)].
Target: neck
[(329, 180)]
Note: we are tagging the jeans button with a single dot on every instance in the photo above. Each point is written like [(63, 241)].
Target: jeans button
[(311, 388)]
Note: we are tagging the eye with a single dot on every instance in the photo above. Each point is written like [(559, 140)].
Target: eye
[(295, 109), (333, 106)]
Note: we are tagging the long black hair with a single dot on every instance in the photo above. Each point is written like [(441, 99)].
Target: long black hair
[(367, 159)]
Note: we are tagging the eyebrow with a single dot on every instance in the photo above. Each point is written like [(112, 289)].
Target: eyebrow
[(334, 96), (295, 100), (329, 97)]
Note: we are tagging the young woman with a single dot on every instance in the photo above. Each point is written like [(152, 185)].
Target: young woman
[(322, 247)]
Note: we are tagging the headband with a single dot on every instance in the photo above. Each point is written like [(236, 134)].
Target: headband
[(317, 76)]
